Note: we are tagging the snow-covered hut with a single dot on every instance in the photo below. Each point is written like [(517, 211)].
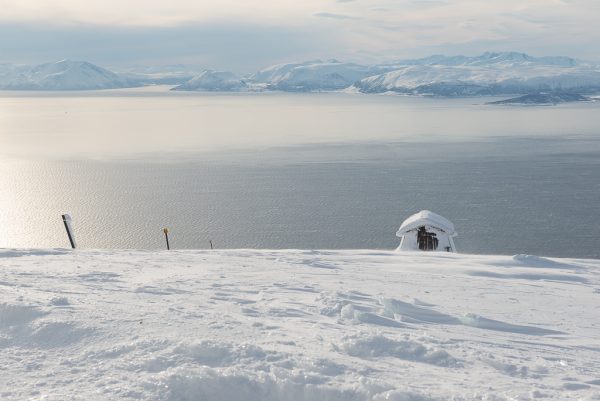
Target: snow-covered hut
[(426, 231)]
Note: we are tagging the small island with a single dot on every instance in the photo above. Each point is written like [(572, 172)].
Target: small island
[(543, 99)]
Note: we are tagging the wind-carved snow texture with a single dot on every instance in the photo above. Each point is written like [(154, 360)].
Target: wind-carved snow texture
[(297, 325), (19, 326)]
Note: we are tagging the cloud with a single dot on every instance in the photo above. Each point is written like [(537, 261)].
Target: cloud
[(244, 34), (332, 15), (226, 45), (153, 13), (428, 3)]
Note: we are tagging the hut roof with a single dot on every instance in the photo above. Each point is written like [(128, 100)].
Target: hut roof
[(426, 218)]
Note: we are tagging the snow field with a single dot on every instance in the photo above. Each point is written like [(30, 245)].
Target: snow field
[(295, 325)]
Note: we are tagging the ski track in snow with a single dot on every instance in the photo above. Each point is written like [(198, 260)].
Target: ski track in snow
[(295, 325)]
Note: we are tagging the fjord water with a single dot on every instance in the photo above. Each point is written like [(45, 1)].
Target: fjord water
[(296, 171)]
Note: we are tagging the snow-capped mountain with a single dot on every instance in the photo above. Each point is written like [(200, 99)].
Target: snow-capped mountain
[(488, 58), (10, 72), (490, 73), (62, 75), (170, 74), (486, 74), (215, 81), (314, 75)]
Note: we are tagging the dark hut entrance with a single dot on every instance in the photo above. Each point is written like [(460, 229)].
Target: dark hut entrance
[(427, 241)]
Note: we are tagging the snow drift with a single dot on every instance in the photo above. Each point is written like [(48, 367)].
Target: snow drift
[(296, 325)]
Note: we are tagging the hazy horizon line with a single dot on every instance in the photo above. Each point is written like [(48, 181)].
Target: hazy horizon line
[(202, 66)]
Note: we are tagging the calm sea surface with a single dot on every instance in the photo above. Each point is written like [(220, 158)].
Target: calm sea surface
[(296, 171)]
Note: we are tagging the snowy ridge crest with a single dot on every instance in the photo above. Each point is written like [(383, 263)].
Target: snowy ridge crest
[(62, 75), (214, 81), (487, 74)]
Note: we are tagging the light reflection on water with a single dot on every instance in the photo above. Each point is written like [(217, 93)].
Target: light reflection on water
[(537, 193), (542, 203), (137, 124)]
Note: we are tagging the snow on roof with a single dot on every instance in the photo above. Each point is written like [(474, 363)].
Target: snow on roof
[(426, 218)]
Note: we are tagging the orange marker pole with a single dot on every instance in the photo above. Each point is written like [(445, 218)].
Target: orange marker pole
[(166, 231)]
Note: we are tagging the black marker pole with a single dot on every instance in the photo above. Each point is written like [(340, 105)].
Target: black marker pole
[(67, 222), (166, 231)]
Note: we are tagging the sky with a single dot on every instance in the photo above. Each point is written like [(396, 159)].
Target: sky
[(246, 35)]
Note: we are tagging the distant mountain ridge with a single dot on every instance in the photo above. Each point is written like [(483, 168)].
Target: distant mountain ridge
[(213, 81), (492, 58), (314, 75), (543, 99), (500, 73), (487, 74), (505, 73), (62, 75)]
